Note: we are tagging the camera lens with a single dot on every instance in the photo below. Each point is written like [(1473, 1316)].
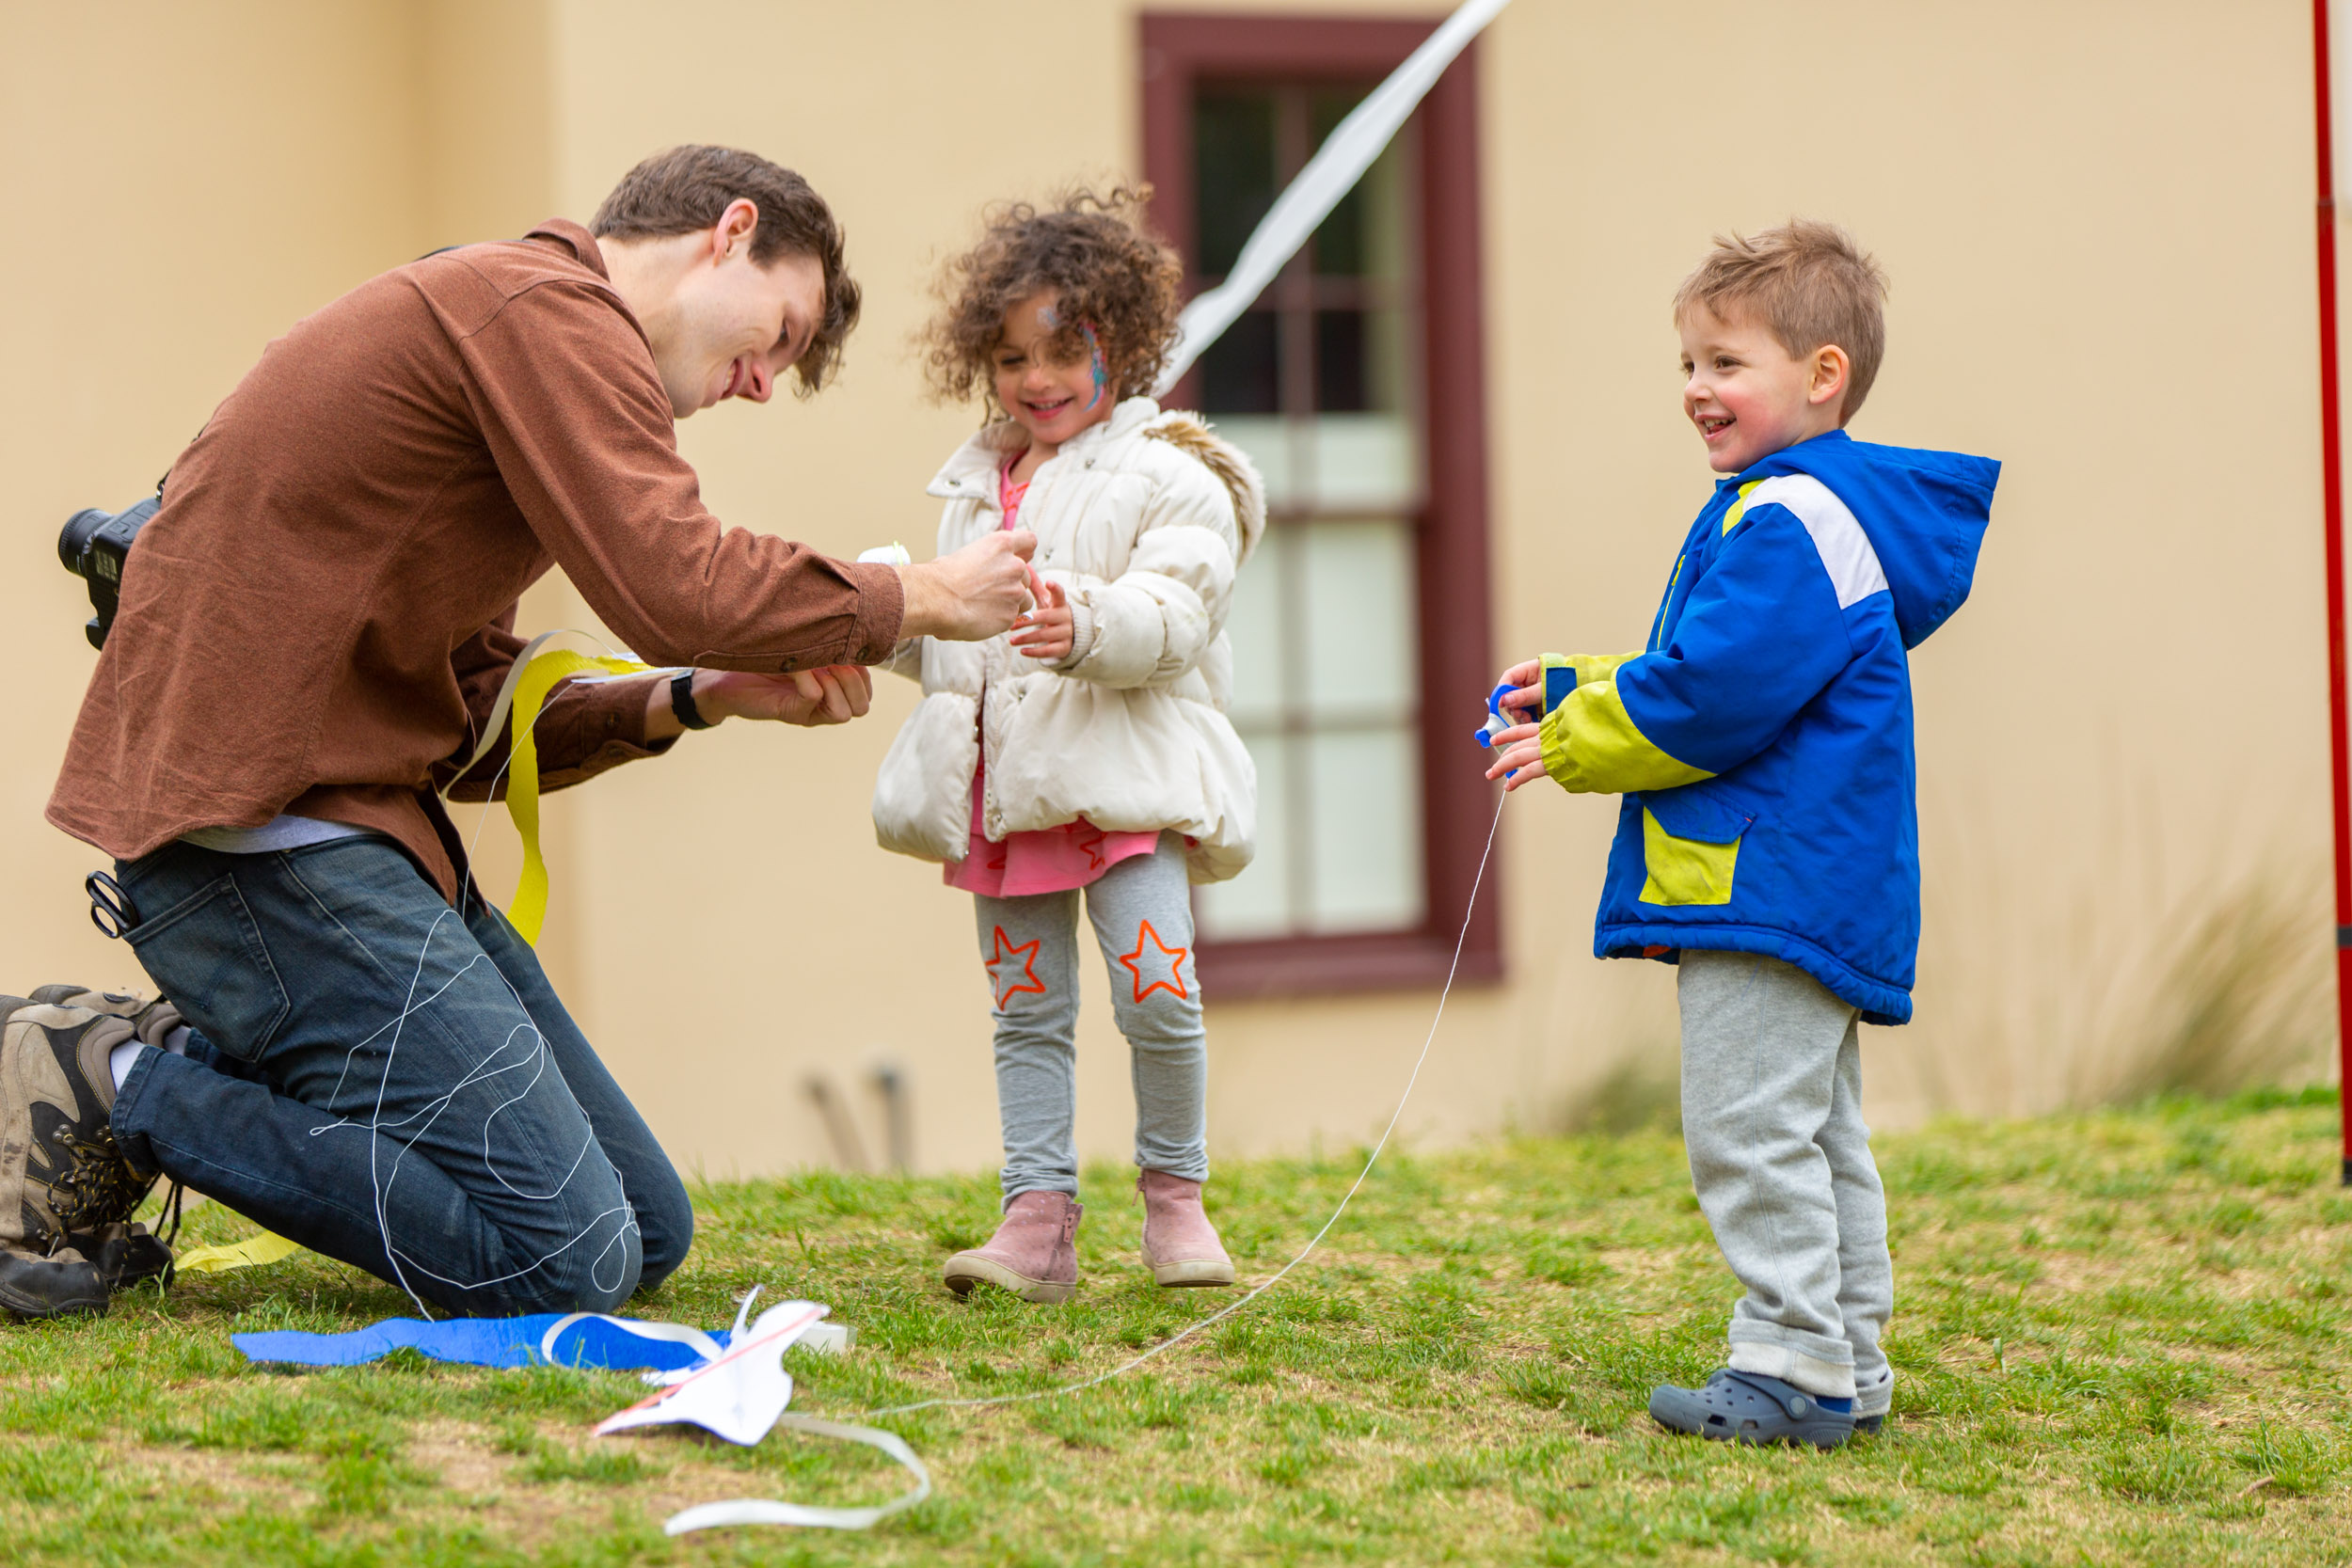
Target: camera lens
[(74, 543)]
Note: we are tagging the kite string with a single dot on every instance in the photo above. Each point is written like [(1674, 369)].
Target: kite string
[(1189, 1330)]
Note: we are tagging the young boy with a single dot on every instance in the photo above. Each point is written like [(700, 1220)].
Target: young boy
[(1768, 842)]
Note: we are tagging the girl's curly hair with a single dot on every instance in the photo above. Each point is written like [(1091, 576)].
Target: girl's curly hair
[(1106, 271)]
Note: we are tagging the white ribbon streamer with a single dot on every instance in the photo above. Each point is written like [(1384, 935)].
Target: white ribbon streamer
[(1329, 175), (761, 1510)]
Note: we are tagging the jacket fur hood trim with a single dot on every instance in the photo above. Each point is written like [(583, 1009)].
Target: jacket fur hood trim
[(1191, 435)]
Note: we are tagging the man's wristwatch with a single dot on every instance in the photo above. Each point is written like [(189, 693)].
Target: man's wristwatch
[(682, 700)]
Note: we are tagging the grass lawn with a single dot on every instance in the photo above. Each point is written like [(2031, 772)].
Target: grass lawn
[(2121, 1339)]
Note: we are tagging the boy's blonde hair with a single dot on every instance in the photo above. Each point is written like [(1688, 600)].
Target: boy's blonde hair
[(1809, 284)]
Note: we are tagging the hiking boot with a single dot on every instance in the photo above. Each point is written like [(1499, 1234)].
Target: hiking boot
[(154, 1021), (1180, 1246), (61, 1168), (121, 1003), (80, 1276), (122, 1254), (61, 1285), (1749, 1407), (1034, 1253)]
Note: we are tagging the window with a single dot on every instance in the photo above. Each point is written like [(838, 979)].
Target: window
[(1316, 383), (1359, 628)]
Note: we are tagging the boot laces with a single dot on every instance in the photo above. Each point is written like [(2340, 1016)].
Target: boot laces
[(95, 1188)]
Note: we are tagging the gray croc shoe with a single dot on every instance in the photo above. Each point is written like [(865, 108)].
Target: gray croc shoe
[(1749, 1407), (1882, 1394)]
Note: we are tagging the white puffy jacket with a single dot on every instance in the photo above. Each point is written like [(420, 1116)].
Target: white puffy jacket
[(1143, 520)]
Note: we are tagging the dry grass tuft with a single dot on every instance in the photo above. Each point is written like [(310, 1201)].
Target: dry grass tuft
[(2244, 996)]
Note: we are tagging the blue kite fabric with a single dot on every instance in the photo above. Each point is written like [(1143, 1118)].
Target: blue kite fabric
[(589, 1341), (1763, 740)]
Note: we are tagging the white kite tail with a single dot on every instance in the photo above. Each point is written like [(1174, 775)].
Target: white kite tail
[(1329, 175), (763, 1511)]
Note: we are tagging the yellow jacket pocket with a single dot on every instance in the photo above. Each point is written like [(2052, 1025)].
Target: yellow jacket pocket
[(1691, 848), (1683, 870)]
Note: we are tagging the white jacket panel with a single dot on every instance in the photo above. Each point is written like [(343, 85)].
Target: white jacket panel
[(1143, 520)]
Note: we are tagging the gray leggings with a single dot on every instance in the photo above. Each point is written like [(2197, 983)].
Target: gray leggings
[(1772, 1115), (1143, 913)]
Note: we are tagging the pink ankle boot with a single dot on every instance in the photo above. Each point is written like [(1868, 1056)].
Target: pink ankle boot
[(1034, 1253), (1180, 1246)]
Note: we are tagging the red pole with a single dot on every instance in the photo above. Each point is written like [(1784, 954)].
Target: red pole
[(2331, 489)]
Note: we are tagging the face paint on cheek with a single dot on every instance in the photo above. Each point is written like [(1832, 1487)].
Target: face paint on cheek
[(1102, 372)]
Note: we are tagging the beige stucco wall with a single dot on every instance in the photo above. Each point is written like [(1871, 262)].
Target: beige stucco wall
[(2097, 222)]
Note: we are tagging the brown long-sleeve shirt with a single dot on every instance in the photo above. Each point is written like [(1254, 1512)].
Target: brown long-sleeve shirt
[(319, 618)]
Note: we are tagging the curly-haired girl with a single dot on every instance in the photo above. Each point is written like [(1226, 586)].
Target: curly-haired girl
[(1089, 748)]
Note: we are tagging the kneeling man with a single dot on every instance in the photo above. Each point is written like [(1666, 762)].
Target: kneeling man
[(313, 634)]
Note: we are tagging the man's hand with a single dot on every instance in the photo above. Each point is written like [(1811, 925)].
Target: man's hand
[(1046, 632), (974, 594), (833, 695)]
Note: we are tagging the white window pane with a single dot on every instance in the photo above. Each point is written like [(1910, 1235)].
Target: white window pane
[(1267, 439), (1365, 830), (1363, 461), (1255, 626), (1257, 903), (1332, 462), (1361, 649)]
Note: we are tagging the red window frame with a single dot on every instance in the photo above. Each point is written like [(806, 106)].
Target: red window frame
[(1181, 50)]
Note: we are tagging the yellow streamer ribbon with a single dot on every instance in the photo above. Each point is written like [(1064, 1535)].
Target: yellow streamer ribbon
[(262, 1248), (529, 912)]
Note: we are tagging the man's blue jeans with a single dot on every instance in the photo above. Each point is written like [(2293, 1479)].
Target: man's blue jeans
[(397, 1087)]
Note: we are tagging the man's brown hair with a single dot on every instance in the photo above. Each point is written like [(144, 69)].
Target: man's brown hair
[(686, 188), (1109, 275), (1809, 284)]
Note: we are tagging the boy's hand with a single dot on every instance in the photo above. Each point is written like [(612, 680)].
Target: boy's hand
[(1045, 632), (1518, 755), (1527, 690)]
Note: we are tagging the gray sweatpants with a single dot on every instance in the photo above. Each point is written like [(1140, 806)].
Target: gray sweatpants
[(1143, 913), (1772, 1114)]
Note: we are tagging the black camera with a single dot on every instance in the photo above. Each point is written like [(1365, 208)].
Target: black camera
[(93, 547)]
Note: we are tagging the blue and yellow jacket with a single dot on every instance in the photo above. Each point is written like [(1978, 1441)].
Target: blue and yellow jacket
[(1762, 742)]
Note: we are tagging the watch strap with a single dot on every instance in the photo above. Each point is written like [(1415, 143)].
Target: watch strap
[(682, 700)]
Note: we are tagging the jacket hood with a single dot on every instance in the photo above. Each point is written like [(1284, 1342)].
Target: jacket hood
[(1924, 512)]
